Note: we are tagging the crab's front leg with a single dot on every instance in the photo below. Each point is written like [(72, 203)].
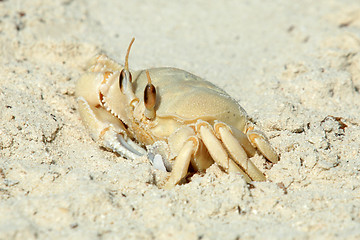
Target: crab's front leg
[(104, 127), (99, 93), (108, 131)]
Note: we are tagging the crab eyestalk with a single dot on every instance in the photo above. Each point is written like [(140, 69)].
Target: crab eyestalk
[(125, 79), (149, 99)]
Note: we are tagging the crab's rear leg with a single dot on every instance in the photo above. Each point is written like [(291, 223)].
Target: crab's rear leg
[(107, 130), (243, 140), (237, 152), (261, 142)]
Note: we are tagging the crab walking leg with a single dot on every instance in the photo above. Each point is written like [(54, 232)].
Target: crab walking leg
[(213, 144), (237, 153), (262, 144), (108, 133), (217, 151), (234, 168), (182, 161), (201, 159), (244, 141)]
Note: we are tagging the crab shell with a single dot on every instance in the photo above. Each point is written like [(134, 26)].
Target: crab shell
[(194, 120)]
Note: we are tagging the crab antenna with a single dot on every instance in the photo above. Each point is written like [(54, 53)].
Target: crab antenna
[(127, 54), (148, 76)]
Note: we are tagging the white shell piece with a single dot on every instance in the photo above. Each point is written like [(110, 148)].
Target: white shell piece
[(158, 163)]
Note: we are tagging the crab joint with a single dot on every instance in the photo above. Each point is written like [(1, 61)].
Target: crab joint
[(149, 98)]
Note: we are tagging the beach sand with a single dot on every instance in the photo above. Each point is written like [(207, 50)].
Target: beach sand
[(293, 65)]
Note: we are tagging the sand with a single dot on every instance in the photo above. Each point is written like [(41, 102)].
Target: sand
[(293, 65)]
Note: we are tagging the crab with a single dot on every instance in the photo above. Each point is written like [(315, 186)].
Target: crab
[(171, 116)]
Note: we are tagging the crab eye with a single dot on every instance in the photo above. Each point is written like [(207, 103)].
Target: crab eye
[(121, 79), (149, 96), (124, 76)]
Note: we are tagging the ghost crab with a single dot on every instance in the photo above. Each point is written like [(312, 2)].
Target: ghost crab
[(180, 118)]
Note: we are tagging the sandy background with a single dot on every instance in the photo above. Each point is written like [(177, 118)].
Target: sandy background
[(293, 65)]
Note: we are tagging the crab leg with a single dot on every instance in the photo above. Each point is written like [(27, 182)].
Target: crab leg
[(213, 144), (262, 144), (244, 141), (106, 131), (237, 153), (182, 161), (216, 149), (131, 144), (234, 168), (202, 159)]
